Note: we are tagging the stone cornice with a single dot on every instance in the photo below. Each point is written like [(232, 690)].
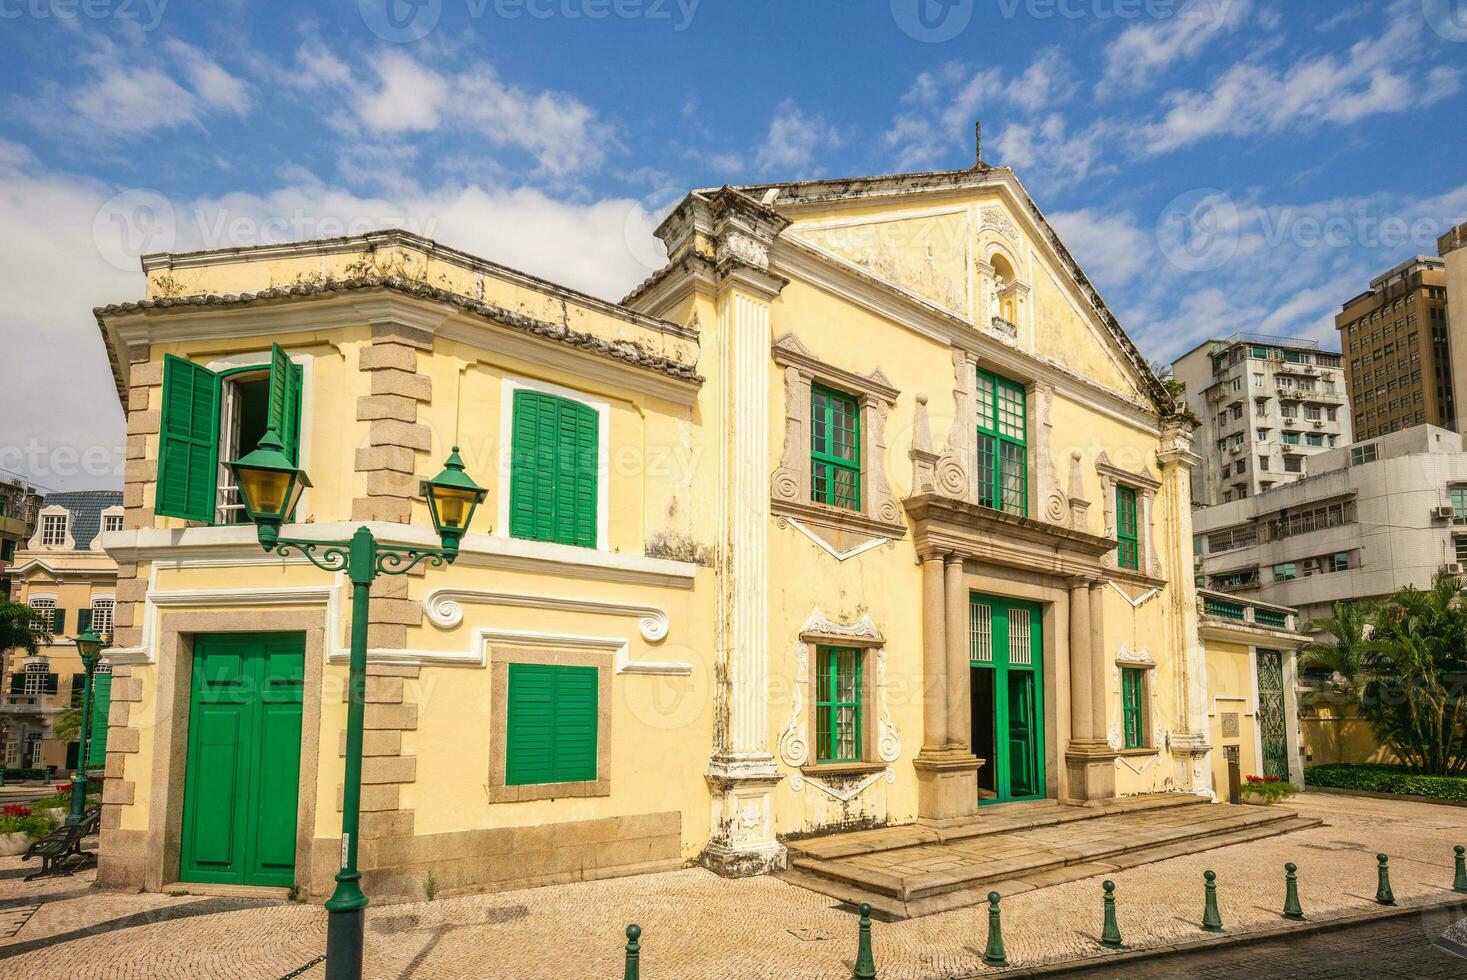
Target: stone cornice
[(945, 526), (787, 351)]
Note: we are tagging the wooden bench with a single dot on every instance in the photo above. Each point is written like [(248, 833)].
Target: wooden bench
[(62, 844)]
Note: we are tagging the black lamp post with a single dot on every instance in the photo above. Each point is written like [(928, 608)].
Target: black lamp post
[(270, 485), (89, 647)]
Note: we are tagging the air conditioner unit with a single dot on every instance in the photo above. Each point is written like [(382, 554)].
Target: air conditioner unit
[(1452, 568), (1319, 423), (1291, 421), (1444, 512)]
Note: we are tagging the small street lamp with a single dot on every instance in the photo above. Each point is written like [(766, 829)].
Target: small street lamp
[(270, 485), (89, 647)]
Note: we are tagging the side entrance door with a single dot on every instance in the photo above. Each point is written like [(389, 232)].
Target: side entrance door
[(1007, 673), (1272, 726), (244, 749)]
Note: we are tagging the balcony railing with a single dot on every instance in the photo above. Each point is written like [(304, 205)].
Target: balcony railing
[(1220, 605)]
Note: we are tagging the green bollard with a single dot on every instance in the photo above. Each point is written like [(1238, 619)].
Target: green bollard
[(634, 953), (865, 963), (993, 953), (1291, 893), (1459, 883), (1211, 921), (1110, 933), (1383, 894)]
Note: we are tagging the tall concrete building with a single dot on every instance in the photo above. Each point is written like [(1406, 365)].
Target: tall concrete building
[(1368, 519), (1397, 352), (1452, 247), (19, 505), (1266, 404)]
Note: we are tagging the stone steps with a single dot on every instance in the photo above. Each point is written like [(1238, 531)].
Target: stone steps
[(1036, 862)]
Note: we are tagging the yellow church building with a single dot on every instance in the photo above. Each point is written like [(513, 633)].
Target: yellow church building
[(863, 511)]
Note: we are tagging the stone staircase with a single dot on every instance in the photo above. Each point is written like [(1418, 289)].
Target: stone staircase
[(909, 871)]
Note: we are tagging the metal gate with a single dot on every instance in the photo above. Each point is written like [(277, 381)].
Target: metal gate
[(1272, 722)]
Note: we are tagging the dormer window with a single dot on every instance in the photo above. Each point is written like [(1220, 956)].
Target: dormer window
[(53, 530), (112, 522)]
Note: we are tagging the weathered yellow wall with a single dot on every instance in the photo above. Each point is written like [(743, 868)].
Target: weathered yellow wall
[(1335, 735), (1230, 689)]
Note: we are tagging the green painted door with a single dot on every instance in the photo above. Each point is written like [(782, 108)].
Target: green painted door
[(244, 749), (1272, 726), (1007, 644)]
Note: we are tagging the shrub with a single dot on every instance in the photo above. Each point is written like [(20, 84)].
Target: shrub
[(1271, 788), (1373, 778), (34, 826)]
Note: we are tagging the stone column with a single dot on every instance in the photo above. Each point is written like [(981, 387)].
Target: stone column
[(959, 681), (1100, 666), (947, 770), (934, 656), (741, 771), (1089, 759), (1081, 727)]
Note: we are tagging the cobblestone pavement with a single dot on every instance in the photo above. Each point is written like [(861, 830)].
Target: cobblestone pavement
[(696, 925), (1397, 948)]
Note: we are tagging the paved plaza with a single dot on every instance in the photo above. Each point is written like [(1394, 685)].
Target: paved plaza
[(697, 925)]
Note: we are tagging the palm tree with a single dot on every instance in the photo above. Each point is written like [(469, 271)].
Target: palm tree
[(1341, 647)]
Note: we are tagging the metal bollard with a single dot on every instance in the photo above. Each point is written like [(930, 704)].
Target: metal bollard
[(1459, 883), (865, 962), (1211, 921), (993, 953), (1110, 932), (1383, 895), (634, 953), (1291, 893)]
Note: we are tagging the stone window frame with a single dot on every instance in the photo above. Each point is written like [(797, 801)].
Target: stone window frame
[(1143, 661), (866, 648), (38, 540), (1146, 487), (500, 657), (789, 486)]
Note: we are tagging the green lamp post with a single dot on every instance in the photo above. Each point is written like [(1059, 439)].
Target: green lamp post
[(271, 485), (89, 647)]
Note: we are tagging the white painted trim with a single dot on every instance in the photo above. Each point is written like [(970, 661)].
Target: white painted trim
[(238, 546), (68, 542), (825, 546), (444, 608), (1135, 603), (508, 387)]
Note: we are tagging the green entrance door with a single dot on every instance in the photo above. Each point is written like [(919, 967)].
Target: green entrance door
[(1007, 668), (244, 752)]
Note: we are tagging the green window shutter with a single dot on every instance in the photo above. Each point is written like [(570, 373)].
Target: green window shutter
[(83, 620), (188, 441), (58, 621), (78, 684), (1131, 683), (552, 723), (835, 449), (52, 683), (285, 401), (97, 727), (554, 461), (1003, 455), (838, 705), (1127, 552)]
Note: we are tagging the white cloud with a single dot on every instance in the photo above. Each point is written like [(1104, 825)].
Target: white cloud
[(1145, 50), (793, 140), (1109, 246), (408, 97)]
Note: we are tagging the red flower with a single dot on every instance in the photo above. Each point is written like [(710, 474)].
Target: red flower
[(15, 810)]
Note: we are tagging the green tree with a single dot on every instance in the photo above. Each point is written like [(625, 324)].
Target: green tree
[(1341, 646), (23, 628)]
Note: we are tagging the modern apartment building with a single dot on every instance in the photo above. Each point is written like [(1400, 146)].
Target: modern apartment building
[(19, 504), (1397, 354), (1266, 404), (1369, 519), (1452, 247)]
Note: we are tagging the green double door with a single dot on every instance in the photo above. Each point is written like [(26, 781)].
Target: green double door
[(244, 750), (1007, 673)]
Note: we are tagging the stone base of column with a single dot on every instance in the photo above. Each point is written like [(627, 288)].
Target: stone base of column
[(947, 786), (1194, 762), (742, 841), (1092, 771)]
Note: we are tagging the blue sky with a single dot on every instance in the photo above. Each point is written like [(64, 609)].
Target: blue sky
[(1215, 165)]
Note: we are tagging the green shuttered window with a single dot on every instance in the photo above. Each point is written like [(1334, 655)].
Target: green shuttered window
[(190, 428), (1132, 683), (835, 449), (555, 458), (838, 705), (1127, 552), (1003, 458), (97, 725), (552, 724)]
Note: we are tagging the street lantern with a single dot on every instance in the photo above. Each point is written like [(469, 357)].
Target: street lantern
[(452, 496), (89, 647), (270, 485)]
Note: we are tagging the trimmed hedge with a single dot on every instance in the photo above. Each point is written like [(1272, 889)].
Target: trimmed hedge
[(1386, 779)]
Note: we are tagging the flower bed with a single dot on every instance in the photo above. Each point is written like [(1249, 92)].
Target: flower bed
[(1395, 780), (1267, 789)]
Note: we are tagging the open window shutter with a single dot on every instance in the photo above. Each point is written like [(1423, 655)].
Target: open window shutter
[(83, 620), (97, 728), (17, 682), (285, 391), (51, 683), (58, 621), (78, 688), (188, 455)]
